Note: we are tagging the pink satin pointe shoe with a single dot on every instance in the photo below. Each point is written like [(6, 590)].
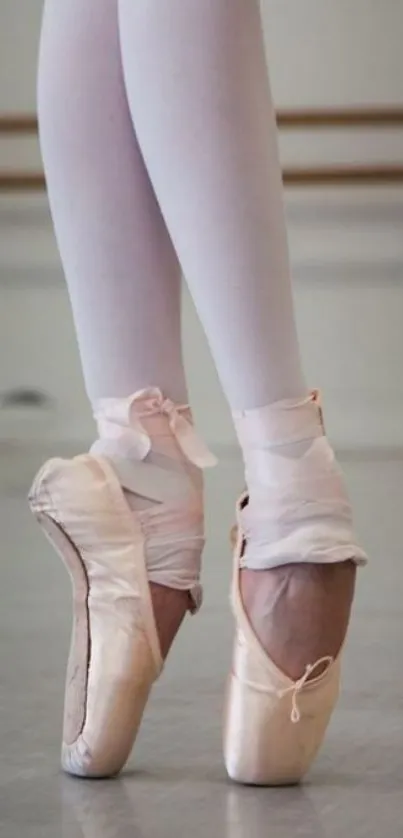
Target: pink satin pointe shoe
[(115, 653), (112, 552), (273, 726)]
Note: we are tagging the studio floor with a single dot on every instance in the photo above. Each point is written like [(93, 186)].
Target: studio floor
[(175, 784)]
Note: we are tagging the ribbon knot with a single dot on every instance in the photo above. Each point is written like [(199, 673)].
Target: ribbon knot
[(123, 417), (296, 688)]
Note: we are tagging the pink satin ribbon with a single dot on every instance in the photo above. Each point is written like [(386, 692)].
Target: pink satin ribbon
[(296, 688), (117, 418)]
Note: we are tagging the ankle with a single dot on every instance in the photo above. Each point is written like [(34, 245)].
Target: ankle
[(158, 458), (297, 508)]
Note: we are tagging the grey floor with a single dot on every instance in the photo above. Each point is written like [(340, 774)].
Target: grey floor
[(175, 782)]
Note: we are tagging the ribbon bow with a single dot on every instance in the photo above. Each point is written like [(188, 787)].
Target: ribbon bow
[(115, 416), (295, 689)]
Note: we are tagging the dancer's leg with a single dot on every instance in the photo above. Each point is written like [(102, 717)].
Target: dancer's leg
[(120, 266), (121, 270), (198, 91), (207, 131), (124, 283)]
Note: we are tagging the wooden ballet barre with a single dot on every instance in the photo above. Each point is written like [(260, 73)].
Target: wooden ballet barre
[(14, 182), (344, 176), (387, 117), (22, 182), (375, 117), (18, 124)]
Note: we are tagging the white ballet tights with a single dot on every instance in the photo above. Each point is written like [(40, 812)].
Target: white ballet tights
[(159, 142), (121, 269), (203, 121)]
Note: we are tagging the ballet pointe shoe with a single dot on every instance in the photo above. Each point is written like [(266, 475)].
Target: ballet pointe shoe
[(299, 513), (273, 726), (115, 654)]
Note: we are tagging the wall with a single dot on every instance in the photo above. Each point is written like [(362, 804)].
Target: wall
[(346, 245)]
